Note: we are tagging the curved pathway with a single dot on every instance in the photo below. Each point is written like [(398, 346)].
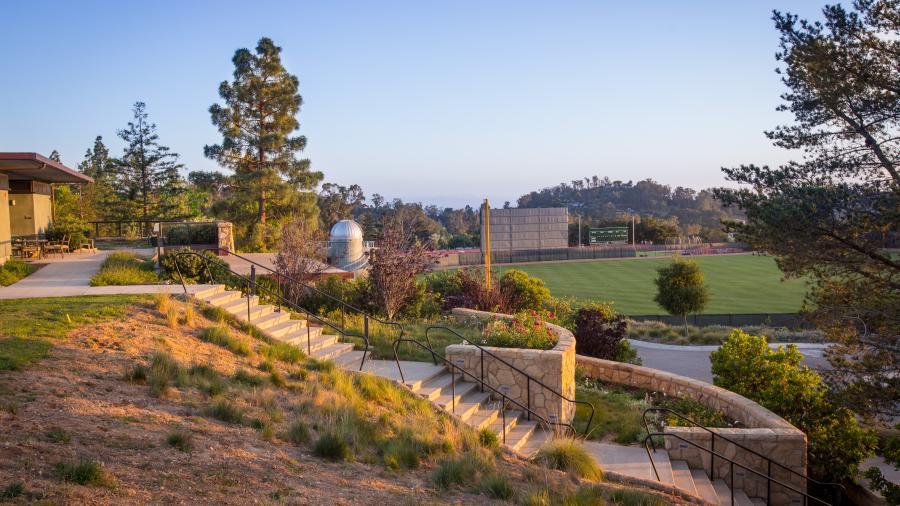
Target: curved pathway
[(693, 361)]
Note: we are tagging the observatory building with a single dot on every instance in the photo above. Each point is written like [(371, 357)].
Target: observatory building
[(345, 246)]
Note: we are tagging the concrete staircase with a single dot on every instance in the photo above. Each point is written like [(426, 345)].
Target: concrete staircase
[(634, 462), (466, 401)]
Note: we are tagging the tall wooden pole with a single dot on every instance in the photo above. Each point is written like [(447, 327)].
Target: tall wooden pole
[(487, 244)]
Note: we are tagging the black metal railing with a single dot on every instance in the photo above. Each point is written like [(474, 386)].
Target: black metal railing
[(731, 465), (528, 378), (505, 399), (837, 488), (251, 288)]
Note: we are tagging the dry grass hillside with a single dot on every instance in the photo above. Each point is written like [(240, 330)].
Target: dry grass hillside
[(158, 401)]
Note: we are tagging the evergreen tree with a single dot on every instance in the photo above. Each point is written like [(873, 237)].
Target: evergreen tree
[(257, 119), (149, 171), (833, 214), (99, 200), (55, 156)]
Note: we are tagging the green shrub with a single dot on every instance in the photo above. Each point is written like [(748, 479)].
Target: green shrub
[(298, 433), (220, 335), (497, 486), (778, 381), (283, 352), (181, 440), (193, 267), (225, 410), (58, 435), (14, 489), (207, 379), (488, 438), (570, 456), (122, 268), (325, 366), (135, 374), (187, 234), (599, 330), (524, 330), (453, 471), (247, 378), (84, 472), (525, 291), (13, 270), (164, 372), (331, 446)]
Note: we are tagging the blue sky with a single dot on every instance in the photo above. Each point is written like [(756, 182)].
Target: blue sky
[(444, 102)]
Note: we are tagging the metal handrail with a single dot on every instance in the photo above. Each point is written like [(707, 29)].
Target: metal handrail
[(453, 367), (715, 434), (528, 377), (252, 287), (731, 464)]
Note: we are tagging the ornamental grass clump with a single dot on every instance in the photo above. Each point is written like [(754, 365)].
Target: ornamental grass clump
[(524, 330)]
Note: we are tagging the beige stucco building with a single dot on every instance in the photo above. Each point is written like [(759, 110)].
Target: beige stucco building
[(26, 196)]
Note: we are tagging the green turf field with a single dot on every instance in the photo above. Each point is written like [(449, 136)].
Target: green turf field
[(737, 283)]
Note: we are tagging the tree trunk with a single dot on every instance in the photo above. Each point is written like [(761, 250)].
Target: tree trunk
[(686, 331), (262, 207)]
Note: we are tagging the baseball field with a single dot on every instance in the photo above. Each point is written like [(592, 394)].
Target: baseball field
[(737, 283)]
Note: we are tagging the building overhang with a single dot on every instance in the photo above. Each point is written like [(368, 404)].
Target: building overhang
[(34, 167)]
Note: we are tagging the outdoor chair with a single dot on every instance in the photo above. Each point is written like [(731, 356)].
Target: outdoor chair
[(87, 244), (30, 250), (60, 247)]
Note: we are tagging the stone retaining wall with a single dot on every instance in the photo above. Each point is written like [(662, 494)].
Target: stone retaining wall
[(766, 433), (555, 368)]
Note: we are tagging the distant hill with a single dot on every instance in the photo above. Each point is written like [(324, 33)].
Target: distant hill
[(600, 201)]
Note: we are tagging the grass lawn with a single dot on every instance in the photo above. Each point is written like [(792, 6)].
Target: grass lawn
[(737, 283), (123, 268), (28, 326)]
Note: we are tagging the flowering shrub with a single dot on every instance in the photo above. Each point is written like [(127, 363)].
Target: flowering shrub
[(524, 330)]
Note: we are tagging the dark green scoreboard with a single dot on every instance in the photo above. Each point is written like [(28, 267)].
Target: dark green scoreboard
[(608, 235)]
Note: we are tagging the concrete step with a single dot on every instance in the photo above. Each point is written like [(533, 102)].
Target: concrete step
[(704, 486), (350, 360), (512, 419), (239, 305), (221, 297), (416, 384), (256, 312), (518, 437), (333, 351), (315, 343), (741, 498), (484, 417), (445, 400), (272, 319), (300, 336), (536, 440), (284, 327), (468, 405), (663, 466), (683, 478), (208, 292), (435, 387), (723, 492)]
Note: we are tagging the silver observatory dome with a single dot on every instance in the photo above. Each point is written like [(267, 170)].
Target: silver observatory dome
[(345, 247), (346, 230)]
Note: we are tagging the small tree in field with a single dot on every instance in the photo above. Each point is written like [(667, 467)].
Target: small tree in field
[(680, 289), (396, 262), (299, 256)]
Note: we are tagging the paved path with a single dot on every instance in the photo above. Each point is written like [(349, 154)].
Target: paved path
[(693, 361), (71, 276)]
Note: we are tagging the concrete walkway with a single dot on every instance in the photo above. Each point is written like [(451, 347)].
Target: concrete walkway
[(71, 276), (693, 361)]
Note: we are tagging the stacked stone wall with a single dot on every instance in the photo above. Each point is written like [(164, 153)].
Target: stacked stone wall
[(765, 433), (553, 370)]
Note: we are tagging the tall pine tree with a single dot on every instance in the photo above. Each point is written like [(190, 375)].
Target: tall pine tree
[(99, 200), (149, 171), (257, 119)]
